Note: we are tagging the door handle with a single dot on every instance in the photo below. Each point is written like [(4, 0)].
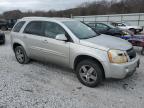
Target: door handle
[(45, 41), (25, 37)]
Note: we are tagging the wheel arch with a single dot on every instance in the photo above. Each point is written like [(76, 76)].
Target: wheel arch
[(15, 45), (131, 28), (84, 57)]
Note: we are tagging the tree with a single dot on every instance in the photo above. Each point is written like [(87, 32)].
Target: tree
[(88, 8), (15, 14)]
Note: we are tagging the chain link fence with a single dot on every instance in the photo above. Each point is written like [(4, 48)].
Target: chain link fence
[(133, 19)]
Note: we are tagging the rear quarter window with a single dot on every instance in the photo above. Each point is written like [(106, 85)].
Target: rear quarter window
[(18, 26)]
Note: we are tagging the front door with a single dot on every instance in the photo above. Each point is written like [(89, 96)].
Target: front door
[(55, 50)]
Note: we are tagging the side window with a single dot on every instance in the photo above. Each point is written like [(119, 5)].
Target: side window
[(101, 26), (91, 25), (35, 28), (18, 26), (121, 24), (53, 29)]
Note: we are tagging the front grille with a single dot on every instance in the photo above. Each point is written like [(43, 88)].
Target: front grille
[(131, 53)]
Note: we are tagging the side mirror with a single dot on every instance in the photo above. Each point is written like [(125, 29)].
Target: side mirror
[(61, 37)]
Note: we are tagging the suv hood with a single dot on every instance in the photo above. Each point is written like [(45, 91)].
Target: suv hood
[(106, 42)]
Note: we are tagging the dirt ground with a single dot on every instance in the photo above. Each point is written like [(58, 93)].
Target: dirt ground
[(40, 85)]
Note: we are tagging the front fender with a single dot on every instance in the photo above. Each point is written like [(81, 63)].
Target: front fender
[(78, 50)]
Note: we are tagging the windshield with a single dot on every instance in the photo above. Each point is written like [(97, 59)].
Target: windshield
[(126, 23), (111, 26), (81, 30)]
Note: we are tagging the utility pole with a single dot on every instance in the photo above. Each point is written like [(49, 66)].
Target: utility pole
[(71, 16)]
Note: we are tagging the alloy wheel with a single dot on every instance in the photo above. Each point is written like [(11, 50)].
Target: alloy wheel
[(20, 55), (88, 74)]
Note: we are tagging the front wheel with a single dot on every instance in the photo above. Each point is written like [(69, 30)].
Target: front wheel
[(20, 55), (89, 73), (4, 40)]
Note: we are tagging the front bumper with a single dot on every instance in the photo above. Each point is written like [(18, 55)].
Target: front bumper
[(120, 71)]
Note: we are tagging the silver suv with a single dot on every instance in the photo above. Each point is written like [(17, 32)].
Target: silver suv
[(70, 43)]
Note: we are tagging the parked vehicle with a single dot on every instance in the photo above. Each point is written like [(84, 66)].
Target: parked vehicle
[(107, 29), (7, 24), (3, 25), (2, 38), (11, 23), (126, 26), (70, 43), (136, 40)]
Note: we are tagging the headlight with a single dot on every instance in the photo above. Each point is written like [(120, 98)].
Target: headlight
[(117, 56), (125, 33)]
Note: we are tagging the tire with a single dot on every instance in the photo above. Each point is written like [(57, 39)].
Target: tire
[(133, 30), (142, 52), (89, 73), (3, 42), (21, 55)]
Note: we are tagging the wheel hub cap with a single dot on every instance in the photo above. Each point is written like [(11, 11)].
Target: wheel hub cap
[(88, 74), (20, 55)]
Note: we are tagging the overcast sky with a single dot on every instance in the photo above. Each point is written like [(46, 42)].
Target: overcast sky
[(25, 5)]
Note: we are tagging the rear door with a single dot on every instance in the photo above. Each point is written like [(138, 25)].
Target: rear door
[(33, 37), (16, 32)]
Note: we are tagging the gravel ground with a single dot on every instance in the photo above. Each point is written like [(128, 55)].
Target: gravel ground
[(39, 85)]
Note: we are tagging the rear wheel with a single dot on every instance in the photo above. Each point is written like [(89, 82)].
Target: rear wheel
[(2, 39), (20, 55), (3, 42), (89, 73)]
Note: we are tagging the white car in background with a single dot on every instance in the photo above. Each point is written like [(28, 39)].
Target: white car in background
[(127, 26)]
